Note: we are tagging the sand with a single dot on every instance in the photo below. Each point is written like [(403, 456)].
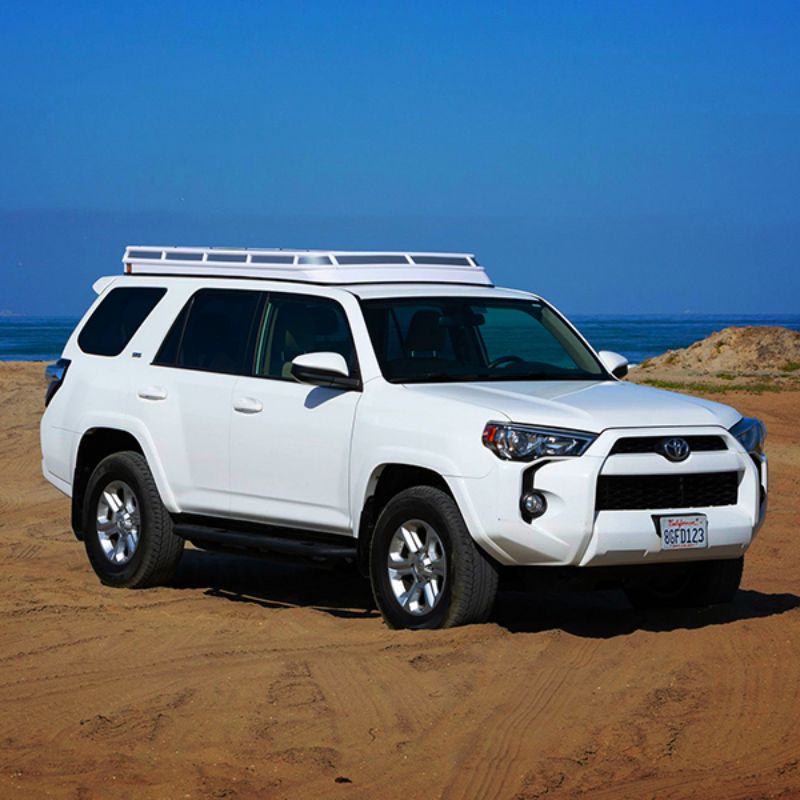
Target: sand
[(246, 679)]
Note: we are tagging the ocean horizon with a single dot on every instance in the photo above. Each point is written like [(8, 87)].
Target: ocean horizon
[(636, 336)]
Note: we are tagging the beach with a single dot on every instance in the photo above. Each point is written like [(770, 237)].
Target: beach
[(253, 679)]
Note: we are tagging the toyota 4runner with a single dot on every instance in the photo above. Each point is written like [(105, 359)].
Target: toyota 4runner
[(393, 409)]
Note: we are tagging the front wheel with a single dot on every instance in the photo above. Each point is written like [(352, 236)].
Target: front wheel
[(127, 530), (692, 585), (426, 570)]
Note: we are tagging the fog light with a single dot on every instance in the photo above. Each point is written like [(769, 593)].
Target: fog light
[(533, 504)]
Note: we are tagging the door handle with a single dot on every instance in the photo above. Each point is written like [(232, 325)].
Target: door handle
[(248, 405), (153, 393)]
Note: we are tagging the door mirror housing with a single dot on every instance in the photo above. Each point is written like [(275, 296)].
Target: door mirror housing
[(324, 369), (616, 364)]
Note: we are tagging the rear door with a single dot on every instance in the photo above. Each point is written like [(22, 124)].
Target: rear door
[(185, 396), (290, 442)]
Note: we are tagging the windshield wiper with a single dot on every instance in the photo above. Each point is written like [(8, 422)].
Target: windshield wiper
[(546, 376), (441, 377), (449, 377)]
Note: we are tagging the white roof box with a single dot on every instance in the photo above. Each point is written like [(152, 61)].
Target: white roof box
[(310, 266)]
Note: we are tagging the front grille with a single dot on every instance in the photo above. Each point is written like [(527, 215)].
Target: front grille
[(692, 490), (648, 444)]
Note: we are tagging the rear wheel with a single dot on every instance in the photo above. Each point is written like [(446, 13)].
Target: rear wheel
[(127, 531), (691, 585), (426, 571)]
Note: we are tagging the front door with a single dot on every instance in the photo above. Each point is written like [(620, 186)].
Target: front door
[(290, 442)]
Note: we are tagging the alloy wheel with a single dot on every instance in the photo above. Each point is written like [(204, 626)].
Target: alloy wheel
[(417, 567), (119, 522)]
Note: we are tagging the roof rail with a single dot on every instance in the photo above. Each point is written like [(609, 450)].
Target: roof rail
[(310, 266)]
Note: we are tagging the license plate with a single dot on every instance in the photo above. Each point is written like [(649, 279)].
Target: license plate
[(684, 532)]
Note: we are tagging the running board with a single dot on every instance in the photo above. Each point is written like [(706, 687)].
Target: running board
[(293, 544)]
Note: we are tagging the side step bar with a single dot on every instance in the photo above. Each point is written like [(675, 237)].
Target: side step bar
[(293, 544)]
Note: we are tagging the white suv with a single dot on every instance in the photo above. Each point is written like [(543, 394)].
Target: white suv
[(394, 409)]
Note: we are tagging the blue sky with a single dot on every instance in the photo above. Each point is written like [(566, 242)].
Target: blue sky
[(615, 157)]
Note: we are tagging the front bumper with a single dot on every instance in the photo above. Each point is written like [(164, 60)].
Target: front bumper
[(573, 532)]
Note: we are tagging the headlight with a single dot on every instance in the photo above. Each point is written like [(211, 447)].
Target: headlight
[(750, 433), (524, 443)]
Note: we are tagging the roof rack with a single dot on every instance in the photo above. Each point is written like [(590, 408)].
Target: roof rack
[(310, 266)]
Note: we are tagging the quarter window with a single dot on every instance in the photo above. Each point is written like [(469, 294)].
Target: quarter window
[(214, 332), (119, 315)]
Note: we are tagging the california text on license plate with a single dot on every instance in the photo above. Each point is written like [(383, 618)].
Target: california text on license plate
[(684, 532)]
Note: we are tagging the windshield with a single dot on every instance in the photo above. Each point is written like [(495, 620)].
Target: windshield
[(429, 339)]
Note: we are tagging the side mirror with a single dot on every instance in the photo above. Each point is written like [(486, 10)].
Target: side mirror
[(324, 369), (616, 364)]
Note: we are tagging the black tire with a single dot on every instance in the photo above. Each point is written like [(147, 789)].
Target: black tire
[(692, 585), (156, 556), (470, 582)]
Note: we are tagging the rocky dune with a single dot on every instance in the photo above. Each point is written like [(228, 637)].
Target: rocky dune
[(757, 356)]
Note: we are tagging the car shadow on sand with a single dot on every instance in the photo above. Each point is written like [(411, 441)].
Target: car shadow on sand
[(272, 583), (605, 614), (342, 592)]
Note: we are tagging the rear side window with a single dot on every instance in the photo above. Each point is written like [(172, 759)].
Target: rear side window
[(117, 318), (214, 332)]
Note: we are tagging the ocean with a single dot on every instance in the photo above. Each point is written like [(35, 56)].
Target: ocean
[(635, 336)]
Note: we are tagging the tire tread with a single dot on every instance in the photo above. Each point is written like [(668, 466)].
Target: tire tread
[(161, 547), (475, 587)]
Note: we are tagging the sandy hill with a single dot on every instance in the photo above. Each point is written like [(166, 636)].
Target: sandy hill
[(748, 353)]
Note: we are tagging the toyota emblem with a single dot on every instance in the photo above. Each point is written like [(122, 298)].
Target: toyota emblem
[(674, 448)]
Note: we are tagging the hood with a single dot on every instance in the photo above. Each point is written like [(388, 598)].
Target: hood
[(584, 405)]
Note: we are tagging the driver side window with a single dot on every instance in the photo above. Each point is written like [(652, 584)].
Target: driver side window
[(295, 324)]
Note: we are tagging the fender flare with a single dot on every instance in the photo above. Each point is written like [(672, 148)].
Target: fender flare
[(140, 433)]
